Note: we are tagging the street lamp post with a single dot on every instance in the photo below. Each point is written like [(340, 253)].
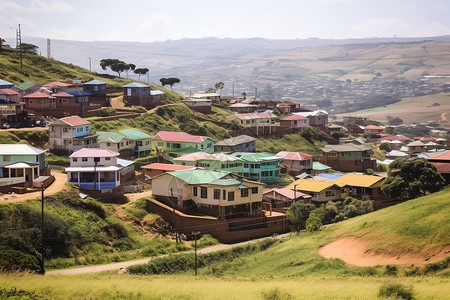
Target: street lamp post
[(42, 270)]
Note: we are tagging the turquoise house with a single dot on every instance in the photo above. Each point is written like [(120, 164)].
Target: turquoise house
[(142, 141), (260, 166), (14, 153)]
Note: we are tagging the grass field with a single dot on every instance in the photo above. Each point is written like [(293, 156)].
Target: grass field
[(410, 110)]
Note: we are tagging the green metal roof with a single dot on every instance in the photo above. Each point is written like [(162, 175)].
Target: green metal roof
[(256, 157), (109, 136), (226, 182), (135, 134), (186, 150), (199, 176), (319, 167), (25, 85)]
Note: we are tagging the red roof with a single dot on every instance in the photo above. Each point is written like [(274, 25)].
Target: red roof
[(167, 167), (169, 136), (94, 152), (372, 127), (427, 139), (75, 121), (293, 155), (57, 83), (295, 117), (442, 167), (63, 95), (395, 138), (443, 156), (37, 95), (9, 92), (288, 193)]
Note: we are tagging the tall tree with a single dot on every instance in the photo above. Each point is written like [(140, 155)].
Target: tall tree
[(412, 178), (169, 81), (141, 71), (218, 86), (114, 64), (129, 67)]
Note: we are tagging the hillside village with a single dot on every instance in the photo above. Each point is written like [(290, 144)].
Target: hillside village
[(245, 192)]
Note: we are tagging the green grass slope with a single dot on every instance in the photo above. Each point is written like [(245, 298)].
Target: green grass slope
[(41, 70)]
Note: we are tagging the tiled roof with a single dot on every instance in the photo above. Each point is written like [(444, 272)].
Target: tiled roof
[(256, 157), (169, 136), (37, 95), (19, 149), (57, 83), (8, 92), (94, 152), (251, 116), (135, 134), (75, 121), (237, 140), (293, 155), (288, 193), (167, 167), (295, 117), (135, 85), (63, 95), (94, 82), (222, 157), (359, 180)]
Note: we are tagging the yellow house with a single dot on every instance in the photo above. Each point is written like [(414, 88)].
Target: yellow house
[(361, 184), (321, 191)]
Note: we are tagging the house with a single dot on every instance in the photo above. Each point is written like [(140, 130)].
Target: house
[(373, 130), (11, 112), (348, 157), (71, 134), (317, 118), (336, 128), (290, 107), (40, 103), (241, 143), (214, 193), (296, 162), (200, 105), (5, 84), (283, 198), (263, 104), (157, 97), (242, 108), (26, 88), (416, 146), (320, 191), (156, 169), (318, 168), (138, 94), (355, 130), (17, 153), (295, 121), (175, 144), (97, 173), (260, 122), (442, 163), (97, 90), (361, 185), (71, 102), (20, 174), (393, 154), (57, 86), (9, 95), (115, 141), (212, 161), (211, 96), (261, 166), (142, 141)]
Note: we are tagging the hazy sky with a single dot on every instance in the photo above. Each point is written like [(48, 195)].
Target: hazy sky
[(148, 20)]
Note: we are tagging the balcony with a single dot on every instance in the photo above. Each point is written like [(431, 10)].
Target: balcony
[(103, 185)]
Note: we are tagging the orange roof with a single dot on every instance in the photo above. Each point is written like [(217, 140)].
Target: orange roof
[(75, 121), (37, 95), (443, 156), (9, 92)]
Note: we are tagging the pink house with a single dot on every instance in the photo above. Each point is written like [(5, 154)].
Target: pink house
[(295, 121)]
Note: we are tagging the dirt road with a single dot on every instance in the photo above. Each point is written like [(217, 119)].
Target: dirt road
[(117, 266)]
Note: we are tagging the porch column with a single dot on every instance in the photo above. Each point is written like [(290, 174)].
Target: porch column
[(78, 177), (98, 179)]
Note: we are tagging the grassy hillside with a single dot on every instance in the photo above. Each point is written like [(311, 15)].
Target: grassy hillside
[(41, 70)]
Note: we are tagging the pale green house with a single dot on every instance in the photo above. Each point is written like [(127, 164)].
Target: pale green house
[(212, 161), (261, 166), (15, 153), (176, 144), (142, 142)]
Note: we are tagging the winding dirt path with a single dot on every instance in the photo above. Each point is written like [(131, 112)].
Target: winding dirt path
[(354, 252), (443, 117)]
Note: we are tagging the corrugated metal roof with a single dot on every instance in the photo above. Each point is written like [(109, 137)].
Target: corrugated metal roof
[(78, 93), (242, 139), (25, 85), (135, 134), (19, 149), (37, 95), (75, 121), (94, 152), (113, 137), (310, 185), (4, 82), (8, 92), (167, 167), (256, 157), (63, 95), (222, 157), (57, 83), (293, 155), (311, 113), (124, 162), (170, 136), (156, 92), (294, 117), (252, 116), (288, 193), (199, 176), (317, 166), (135, 85), (95, 82), (359, 180)]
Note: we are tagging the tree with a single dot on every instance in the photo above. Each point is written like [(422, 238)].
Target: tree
[(244, 95), (385, 147), (314, 222), (169, 81), (218, 86), (114, 64), (298, 213), (129, 67), (411, 178), (29, 48), (141, 71)]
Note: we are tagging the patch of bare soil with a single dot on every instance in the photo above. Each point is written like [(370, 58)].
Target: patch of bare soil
[(354, 252)]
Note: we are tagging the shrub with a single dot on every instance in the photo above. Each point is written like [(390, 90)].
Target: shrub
[(275, 294), (396, 291), (205, 241), (391, 270), (14, 293), (17, 260)]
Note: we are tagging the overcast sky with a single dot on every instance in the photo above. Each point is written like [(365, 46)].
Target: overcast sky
[(148, 20)]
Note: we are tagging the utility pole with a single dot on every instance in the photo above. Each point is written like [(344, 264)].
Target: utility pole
[(42, 270), (90, 65), (195, 238), (256, 92), (19, 45), (148, 77), (233, 90), (174, 216), (49, 55)]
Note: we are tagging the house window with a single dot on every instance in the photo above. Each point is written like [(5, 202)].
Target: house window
[(74, 159), (107, 158), (195, 191), (31, 101), (96, 159), (65, 129), (84, 159), (216, 194), (203, 192), (342, 190), (87, 128), (329, 194), (244, 193), (224, 194), (108, 144), (255, 190), (160, 144), (6, 157), (332, 154), (230, 196)]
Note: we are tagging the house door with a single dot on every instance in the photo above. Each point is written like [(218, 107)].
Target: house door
[(53, 103)]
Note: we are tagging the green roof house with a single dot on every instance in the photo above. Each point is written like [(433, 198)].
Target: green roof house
[(260, 166), (142, 142), (212, 161)]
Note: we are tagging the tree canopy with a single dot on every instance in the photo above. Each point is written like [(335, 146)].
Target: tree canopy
[(412, 178), (115, 65), (29, 48), (298, 213), (169, 81), (141, 71)]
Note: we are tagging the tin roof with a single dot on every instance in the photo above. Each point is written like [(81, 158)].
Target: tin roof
[(288, 193), (256, 157), (251, 116), (170, 136), (167, 167), (4, 82), (8, 92), (78, 93), (25, 85), (63, 95), (199, 176), (293, 155), (112, 137), (37, 95), (135, 85), (311, 185), (237, 140), (135, 134), (75, 121), (359, 180), (222, 157), (94, 152), (94, 82), (19, 149)]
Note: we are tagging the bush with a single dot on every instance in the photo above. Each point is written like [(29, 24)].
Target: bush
[(314, 221), (14, 293), (275, 294), (205, 241), (17, 260), (396, 291), (391, 270)]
